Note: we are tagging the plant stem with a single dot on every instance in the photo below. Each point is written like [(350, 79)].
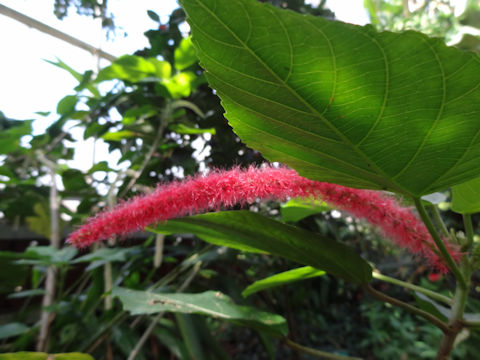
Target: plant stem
[(163, 124), (455, 321), (439, 221), (431, 294), (318, 353), (157, 259), (427, 316), (467, 221), (438, 241), (108, 280), (156, 319), (51, 279)]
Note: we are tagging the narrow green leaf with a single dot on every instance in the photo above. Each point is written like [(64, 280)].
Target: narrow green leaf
[(23, 355), (283, 278), (153, 15), (184, 129), (342, 103), (427, 304), (26, 293), (107, 255), (190, 336), (78, 76), (210, 303), (117, 135), (73, 356), (12, 329), (248, 231), (466, 197)]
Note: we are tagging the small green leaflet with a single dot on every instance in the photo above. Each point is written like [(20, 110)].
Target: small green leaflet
[(283, 278)]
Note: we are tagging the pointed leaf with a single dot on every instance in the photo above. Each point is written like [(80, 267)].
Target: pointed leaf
[(342, 103), (210, 303), (248, 231), (283, 278)]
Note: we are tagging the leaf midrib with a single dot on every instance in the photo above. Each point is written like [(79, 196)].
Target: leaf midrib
[(391, 184)]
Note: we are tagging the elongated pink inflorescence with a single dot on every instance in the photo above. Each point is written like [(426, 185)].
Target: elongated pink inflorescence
[(227, 188)]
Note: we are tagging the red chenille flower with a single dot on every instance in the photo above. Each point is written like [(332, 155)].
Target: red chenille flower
[(223, 189)]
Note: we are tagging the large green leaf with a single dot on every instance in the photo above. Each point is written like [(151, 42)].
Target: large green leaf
[(342, 103), (248, 231), (210, 303)]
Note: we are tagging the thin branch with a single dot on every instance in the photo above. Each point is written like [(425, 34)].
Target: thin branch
[(51, 279), (438, 219), (157, 259), (148, 157), (429, 293), (54, 32), (157, 318), (317, 353), (467, 221), (427, 316)]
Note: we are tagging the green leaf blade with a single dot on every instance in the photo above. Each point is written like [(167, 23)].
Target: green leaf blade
[(248, 231), (283, 278), (210, 303), (342, 103), (466, 197)]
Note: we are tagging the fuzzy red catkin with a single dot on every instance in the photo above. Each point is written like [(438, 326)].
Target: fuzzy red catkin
[(227, 188)]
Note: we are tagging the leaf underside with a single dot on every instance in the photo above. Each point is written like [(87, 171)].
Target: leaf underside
[(342, 103), (252, 232)]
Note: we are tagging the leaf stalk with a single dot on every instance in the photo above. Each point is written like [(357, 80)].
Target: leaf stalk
[(438, 241)]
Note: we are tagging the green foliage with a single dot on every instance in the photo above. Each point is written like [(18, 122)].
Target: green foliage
[(393, 111), (394, 139), (242, 230)]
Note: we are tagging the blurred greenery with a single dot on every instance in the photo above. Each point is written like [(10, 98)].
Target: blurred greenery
[(156, 112)]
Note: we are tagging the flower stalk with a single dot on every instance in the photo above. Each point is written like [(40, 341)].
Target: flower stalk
[(223, 189)]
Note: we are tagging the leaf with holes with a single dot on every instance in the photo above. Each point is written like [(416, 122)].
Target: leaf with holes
[(210, 303), (342, 103)]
